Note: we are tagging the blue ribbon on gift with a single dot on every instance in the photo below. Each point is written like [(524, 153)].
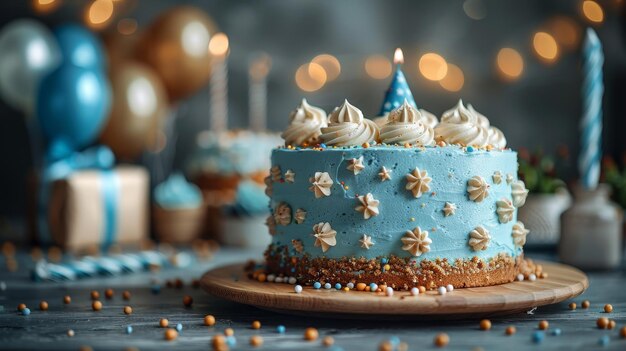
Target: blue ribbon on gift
[(60, 164)]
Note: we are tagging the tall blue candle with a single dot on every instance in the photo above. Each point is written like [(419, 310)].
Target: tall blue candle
[(591, 124), (398, 89)]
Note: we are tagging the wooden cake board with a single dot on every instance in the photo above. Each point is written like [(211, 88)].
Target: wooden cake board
[(563, 282)]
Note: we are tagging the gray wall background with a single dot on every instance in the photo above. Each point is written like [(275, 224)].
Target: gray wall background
[(541, 110)]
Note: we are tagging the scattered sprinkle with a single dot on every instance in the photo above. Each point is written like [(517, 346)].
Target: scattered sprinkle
[(70, 333), (360, 286), (281, 329), (510, 330), (422, 289), (43, 305), (129, 329), (128, 310), (95, 295), (602, 322), (179, 327), (543, 325), (298, 289), (556, 331), (96, 305), (187, 301), (292, 280), (611, 324), (485, 324), (622, 332), (470, 149), (310, 334), (26, 311), (126, 295), (108, 293), (532, 277), (256, 325), (415, 291), (338, 286), (317, 285), (442, 290), (171, 334), (209, 320), (229, 332), (538, 336), (449, 287), (572, 306), (328, 341), (442, 340), (327, 286), (604, 340), (520, 277), (585, 304), (608, 308), (373, 287), (163, 323), (389, 291), (256, 340), (231, 341), (350, 285)]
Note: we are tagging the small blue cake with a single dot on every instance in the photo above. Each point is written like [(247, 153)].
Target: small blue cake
[(397, 203)]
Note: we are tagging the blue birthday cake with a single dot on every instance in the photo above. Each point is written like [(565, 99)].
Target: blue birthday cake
[(402, 202)]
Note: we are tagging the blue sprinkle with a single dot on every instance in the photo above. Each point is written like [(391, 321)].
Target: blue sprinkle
[(179, 327), (129, 329), (327, 286), (604, 340), (155, 289), (317, 285), (383, 260), (26, 311), (338, 286), (373, 286), (556, 332), (394, 340), (323, 146), (280, 329), (231, 341), (538, 337), (470, 149)]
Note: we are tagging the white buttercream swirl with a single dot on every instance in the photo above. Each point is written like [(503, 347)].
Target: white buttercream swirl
[(347, 127), (496, 137), (406, 125), (429, 118), (461, 126), (305, 125)]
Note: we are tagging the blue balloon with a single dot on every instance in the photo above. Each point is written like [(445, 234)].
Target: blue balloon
[(72, 106), (80, 47)]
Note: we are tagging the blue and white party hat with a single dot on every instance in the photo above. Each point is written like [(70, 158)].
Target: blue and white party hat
[(398, 89)]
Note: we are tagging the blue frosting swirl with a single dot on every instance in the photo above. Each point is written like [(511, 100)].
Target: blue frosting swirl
[(176, 193)]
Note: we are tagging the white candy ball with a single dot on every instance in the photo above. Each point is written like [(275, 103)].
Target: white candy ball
[(271, 278), (442, 290), (298, 289), (449, 287), (350, 285), (389, 291), (292, 280), (415, 291), (532, 277), (278, 280), (520, 277)]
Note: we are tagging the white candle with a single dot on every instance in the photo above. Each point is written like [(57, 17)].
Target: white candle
[(257, 92), (218, 84)]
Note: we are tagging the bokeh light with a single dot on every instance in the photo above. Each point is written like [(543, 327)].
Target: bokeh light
[(510, 63), (454, 79), (592, 11), (218, 45), (433, 66), (99, 13), (127, 26), (545, 46), (378, 67), (260, 66), (45, 6), (331, 65), (310, 77), (566, 31), (475, 9)]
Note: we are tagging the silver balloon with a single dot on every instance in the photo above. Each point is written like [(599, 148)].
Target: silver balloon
[(28, 50)]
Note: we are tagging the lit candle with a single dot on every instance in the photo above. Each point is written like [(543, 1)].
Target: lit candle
[(398, 89), (257, 92), (218, 84), (591, 124)]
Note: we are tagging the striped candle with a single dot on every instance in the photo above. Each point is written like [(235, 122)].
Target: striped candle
[(591, 124)]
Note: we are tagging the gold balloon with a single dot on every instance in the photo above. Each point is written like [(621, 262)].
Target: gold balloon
[(176, 46), (138, 106)]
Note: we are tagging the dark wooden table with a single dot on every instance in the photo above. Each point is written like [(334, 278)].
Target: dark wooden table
[(106, 329)]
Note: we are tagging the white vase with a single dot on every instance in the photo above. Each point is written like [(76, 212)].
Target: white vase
[(591, 231), (542, 215)]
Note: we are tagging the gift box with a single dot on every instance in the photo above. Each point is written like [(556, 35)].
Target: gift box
[(96, 208)]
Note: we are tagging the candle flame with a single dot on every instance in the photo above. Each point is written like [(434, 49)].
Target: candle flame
[(218, 45), (398, 57)]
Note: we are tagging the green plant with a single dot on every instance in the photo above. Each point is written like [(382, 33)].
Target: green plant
[(538, 172), (616, 178)]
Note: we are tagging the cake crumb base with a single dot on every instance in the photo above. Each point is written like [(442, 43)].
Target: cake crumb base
[(400, 273)]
